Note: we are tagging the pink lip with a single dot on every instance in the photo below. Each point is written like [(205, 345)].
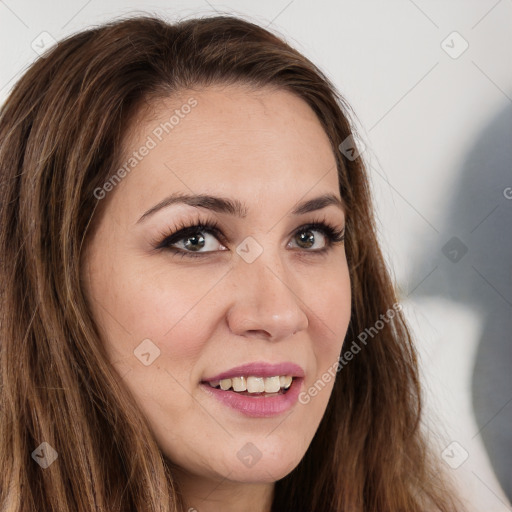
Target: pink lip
[(260, 369), (258, 406)]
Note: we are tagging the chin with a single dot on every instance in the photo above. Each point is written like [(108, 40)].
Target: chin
[(261, 473), (263, 461)]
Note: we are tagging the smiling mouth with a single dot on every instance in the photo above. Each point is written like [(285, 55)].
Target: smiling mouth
[(255, 397), (254, 386)]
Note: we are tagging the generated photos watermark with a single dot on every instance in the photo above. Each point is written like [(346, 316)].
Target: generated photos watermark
[(152, 141), (348, 355)]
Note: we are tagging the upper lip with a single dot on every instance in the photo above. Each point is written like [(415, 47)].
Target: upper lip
[(260, 369)]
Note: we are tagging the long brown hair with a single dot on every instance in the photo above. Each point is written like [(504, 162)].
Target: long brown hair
[(61, 130)]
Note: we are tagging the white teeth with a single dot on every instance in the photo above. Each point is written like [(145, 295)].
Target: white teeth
[(272, 385), (254, 384), (225, 384), (239, 384)]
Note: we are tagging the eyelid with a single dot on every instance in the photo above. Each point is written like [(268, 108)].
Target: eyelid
[(180, 229), (168, 237)]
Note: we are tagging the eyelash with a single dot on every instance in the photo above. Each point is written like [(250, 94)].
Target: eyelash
[(334, 236)]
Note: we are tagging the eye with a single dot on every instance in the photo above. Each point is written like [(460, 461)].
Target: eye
[(197, 241), (191, 240), (203, 238), (329, 236)]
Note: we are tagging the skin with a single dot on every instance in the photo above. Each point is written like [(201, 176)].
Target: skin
[(266, 148)]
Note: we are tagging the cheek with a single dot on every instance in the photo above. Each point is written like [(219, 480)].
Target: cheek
[(330, 308), (161, 306), (161, 314), (132, 305)]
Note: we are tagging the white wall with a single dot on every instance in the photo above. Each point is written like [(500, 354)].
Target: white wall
[(439, 134)]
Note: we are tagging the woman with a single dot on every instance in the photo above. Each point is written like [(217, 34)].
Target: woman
[(196, 314)]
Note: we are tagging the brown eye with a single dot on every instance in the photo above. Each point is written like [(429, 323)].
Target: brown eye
[(307, 236), (306, 239), (194, 242)]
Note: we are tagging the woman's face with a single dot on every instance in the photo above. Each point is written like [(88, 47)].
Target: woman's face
[(262, 289)]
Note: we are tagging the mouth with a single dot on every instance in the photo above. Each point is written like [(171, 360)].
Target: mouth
[(258, 389), (257, 379), (254, 385)]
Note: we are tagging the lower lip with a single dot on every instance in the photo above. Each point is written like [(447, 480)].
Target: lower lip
[(259, 406)]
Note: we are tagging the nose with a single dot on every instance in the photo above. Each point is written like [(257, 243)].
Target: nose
[(266, 304)]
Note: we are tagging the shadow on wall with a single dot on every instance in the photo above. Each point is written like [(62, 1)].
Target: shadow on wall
[(473, 266)]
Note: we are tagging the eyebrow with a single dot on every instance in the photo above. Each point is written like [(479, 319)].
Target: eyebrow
[(237, 208)]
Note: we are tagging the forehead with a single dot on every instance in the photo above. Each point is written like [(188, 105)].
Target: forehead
[(259, 145)]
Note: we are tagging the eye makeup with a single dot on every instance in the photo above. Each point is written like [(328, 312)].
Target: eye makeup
[(168, 239)]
